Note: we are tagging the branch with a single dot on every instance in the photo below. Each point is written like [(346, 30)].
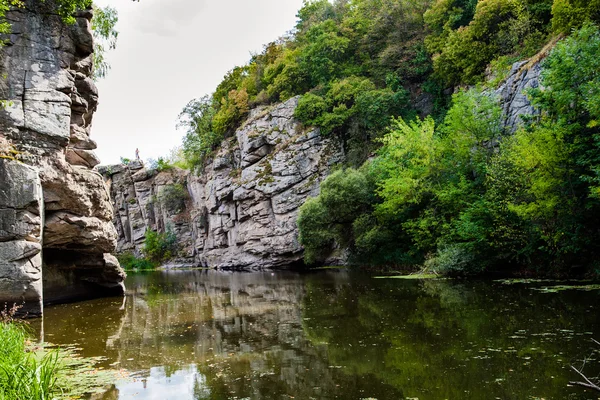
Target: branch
[(585, 385), (588, 384)]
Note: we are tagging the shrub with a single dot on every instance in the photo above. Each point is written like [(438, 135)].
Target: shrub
[(328, 218), (453, 260), (173, 197), (130, 262), (233, 109), (159, 247), (571, 14), (315, 234)]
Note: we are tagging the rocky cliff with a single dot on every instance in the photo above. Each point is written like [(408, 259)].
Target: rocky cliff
[(145, 199), (241, 211), (46, 172), (524, 75)]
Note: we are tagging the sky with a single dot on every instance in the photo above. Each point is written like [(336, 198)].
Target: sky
[(169, 52)]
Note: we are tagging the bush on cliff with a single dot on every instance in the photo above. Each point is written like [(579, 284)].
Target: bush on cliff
[(160, 247)]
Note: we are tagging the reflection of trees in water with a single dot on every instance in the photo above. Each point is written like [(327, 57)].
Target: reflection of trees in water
[(243, 331), (263, 335), (443, 339)]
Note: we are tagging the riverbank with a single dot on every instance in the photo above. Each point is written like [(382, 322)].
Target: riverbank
[(40, 371)]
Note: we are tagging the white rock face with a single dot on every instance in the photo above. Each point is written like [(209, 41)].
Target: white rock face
[(52, 101), (241, 211), (141, 201)]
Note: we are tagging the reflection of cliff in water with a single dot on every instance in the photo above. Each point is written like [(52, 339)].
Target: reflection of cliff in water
[(242, 331), (332, 334)]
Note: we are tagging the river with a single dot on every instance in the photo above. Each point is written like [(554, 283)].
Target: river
[(333, 334)]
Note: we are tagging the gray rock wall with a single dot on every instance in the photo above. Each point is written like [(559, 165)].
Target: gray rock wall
[(47, 125), (145, 199), (246, 202), (21, 216), (241, 211), (515, 104)]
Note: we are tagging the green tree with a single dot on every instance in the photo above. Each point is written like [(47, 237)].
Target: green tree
[(200, 138), (570, 14), (105, 38)]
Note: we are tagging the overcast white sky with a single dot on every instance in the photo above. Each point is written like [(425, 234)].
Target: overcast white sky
[(171, 51)]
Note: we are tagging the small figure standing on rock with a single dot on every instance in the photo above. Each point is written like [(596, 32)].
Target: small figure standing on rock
[(137, 154)]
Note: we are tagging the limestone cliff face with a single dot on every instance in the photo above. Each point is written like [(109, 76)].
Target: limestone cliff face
[(241, 211), (21, 215), (46, 126)]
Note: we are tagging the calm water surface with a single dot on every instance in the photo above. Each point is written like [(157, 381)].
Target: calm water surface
[(333, 335)]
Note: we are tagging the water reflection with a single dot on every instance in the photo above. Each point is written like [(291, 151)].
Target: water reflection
[(332, 334)]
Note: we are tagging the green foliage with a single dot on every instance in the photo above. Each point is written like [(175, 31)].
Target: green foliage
[(130, 262), (467, 199), (66, 8), (571, 14), (105, 37), (315, 234), (25, 376), (162, 164), (328, 218), (233, 109), (497, 28), (6, 5), (173, 197), (159, 247), (200, 137)]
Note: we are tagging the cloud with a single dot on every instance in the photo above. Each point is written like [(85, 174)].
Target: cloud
[(164, 18)]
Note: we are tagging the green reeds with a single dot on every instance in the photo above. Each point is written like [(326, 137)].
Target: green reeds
[(25, 375)]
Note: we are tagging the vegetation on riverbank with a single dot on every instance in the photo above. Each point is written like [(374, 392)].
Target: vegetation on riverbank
[(25, 376), (31, 371), (464, 198), (450, 196), (158, 248)]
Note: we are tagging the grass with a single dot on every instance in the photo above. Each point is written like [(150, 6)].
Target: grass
[(41, 372), (25, 375)]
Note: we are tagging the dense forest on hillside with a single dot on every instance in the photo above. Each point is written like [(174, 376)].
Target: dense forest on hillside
[(433, 177)]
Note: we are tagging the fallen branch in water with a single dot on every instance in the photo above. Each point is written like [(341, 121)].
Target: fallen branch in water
[(589, 384)]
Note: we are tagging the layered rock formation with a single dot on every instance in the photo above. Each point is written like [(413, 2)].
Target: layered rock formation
[(241, 211), (46, 125), (145, 199), (21, 215), (246, 203)]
